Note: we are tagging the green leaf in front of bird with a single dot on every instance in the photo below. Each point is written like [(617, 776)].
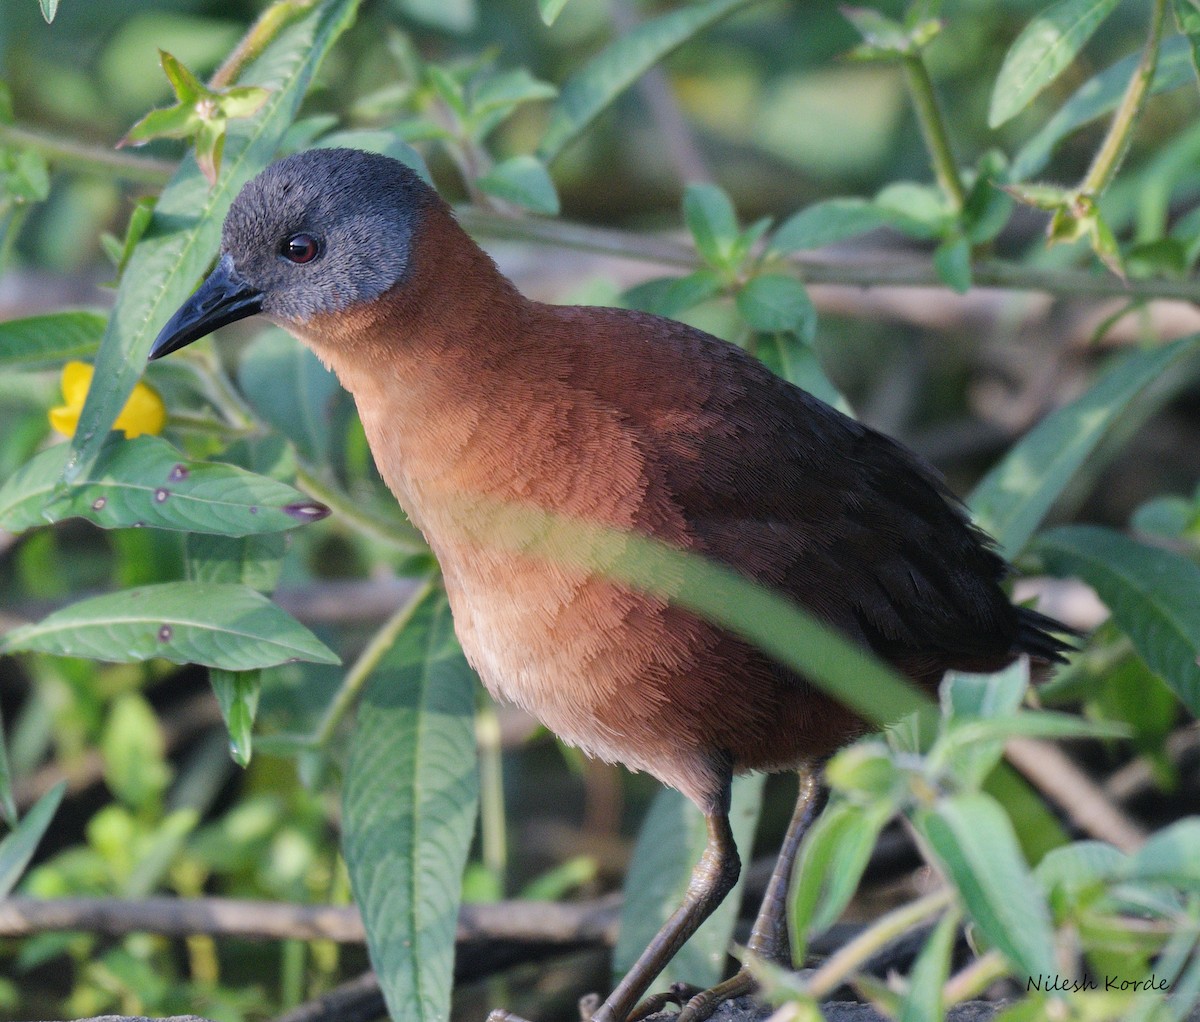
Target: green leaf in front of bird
[(134, 753), (18, 846), (1042, 52), (49, 340), (832, 859), (952, 260), (977, 849), (775, 302), (984, 695), (186, 229), (49, 9), (409, 804), (864, 772), (146, 482), (669, 845), (794, 358), (710, 216), (826, 223), (237, 695), (525, 181), (923, 999), (550, 10), (1013, 498), (606, 76), (1150, 591), (213, 625)]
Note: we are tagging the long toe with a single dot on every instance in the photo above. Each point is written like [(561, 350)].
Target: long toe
[(677, 993), (702, 1005)]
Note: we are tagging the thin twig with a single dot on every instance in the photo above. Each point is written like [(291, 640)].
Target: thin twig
[(520, 922), (1137, 775), (88, 159), (1054, 774)]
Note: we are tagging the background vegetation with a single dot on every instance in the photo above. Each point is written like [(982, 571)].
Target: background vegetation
[(840, 191)]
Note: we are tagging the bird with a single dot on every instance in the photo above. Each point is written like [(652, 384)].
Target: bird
[(474, 397)]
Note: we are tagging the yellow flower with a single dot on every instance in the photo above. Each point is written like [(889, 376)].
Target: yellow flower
[(144, 412)]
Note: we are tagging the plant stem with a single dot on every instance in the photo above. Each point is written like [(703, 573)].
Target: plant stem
[(1120, 132), (493, 831), (86, 158), (847, 959), (255, 40), (933, 128), (367, 661)]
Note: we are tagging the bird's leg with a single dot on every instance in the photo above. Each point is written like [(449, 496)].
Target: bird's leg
[(768, 939), (712, 879)]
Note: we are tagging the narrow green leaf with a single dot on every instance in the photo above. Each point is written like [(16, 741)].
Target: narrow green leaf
[(8, 805), (18, 847), (1067, 871), (523, 180), (1016, 495), (37, 341), (214, 625), (509, 89), (550, 10), (773, 302), (146, 482), (828, 222), (711, 218), (256, 561), (975, 844), (289, 387), (687, 292), (1150, 591), (1187, 14), (669, 845), (186, 228), (237, 695), (449, 15), (831, 862), (409, 806), (49, 9), (1099, 96), (923, 1002), (1041, 52), (132, 746), (591, 90), (984, 695)]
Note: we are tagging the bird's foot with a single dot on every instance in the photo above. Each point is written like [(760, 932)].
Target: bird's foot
[(695, 1005)]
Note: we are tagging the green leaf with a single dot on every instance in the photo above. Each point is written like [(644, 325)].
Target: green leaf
[(828, 222), (923, 1002), (1016, 495), (409, 806), (865, 771), (49, 340), (952, 260), (976, 846), (773, 302), (135, 769), (256, 561), (984, 695), (829, 866), (186, 86), (794, 358), (237, 695), (882, 35), (711, 218), (550, 10), (18, 847), (509, 89), (139, 221), (523, 180), (683, 293), (1150, 591), (917, 210), (186, 229), (1041, 52), (1187, 14), (591, 90), (8, 805), (145, 482), (669, 845), (1066, 872), (287, 385), (449, 15), (377, 140), (1171, 856), (228, 626), (49, 9), (1099, 96)]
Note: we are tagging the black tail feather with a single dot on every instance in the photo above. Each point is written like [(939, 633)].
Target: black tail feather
[(1034, 636)]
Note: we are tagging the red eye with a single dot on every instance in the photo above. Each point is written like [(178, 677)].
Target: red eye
[(300, 248)]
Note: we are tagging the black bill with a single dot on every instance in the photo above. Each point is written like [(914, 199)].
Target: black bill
[(224, 297)]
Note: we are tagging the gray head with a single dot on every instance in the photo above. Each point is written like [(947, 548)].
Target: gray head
[(314, 233)]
